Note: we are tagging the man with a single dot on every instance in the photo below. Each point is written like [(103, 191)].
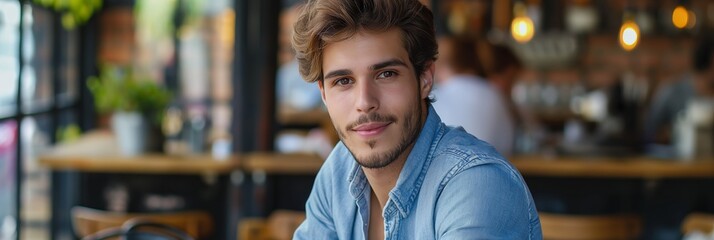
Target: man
[(398, 172), (504, 73), (673, 199), (672, 99), (466, 99)]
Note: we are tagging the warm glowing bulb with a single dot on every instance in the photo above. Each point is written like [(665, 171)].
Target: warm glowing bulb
[(522, 29), (629, 35), (680, 17)]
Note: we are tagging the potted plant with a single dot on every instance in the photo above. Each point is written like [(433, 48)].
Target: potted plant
[(135, 104)]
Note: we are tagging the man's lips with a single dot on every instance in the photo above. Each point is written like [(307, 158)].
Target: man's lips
[(370, 129)]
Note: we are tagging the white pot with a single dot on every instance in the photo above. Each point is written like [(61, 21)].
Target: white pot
[(129, 129)]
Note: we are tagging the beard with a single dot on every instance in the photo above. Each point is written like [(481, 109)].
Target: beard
[(410, 126)]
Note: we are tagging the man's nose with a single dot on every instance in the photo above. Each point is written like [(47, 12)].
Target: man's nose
[(367, 100)]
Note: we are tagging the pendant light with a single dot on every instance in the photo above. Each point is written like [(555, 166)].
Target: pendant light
[(629, 32), (522, 28)]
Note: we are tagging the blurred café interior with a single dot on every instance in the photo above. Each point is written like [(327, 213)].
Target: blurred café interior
[(191, 113)]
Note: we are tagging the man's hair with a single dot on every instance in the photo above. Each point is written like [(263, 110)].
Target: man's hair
[(328, 21), (702, 55)]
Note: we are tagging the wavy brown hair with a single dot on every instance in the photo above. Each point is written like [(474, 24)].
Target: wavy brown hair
[(327, 21)]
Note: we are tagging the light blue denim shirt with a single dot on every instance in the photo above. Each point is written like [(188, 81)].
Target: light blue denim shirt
[(452, 186)]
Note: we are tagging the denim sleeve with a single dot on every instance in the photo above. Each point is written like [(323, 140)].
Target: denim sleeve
[(318, 223), (484, 202)]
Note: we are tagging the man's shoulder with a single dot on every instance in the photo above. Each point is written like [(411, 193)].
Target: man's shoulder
[(456, 142), (680, 87), (459, 150), (464, 167)]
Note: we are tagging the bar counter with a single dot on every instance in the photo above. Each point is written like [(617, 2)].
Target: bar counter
[(611, 167), (96, 152)]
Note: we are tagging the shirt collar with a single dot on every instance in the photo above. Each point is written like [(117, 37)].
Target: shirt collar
[(411, 177)]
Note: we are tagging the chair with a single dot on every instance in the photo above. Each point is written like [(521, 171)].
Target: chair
[(280, 225), (140, 230), (587, 227), (701, 222), (87, 221)]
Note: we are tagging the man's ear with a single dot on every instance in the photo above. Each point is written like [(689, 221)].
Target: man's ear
[(321, 85), (427, 79)]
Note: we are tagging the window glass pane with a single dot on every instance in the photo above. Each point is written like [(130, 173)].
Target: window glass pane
[(205, 57), (9, 64), (37, 51), (8, 161), (36, 211), (154, 37)]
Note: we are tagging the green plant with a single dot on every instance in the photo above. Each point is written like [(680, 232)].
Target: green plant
[(74, 12), (118, 89)]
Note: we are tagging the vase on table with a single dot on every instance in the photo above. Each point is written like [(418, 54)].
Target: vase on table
[(130, 129)]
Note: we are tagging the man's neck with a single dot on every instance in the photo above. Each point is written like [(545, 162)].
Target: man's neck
[(383, 180)]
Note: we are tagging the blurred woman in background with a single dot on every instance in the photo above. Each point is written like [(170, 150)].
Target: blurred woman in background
[(465, 98)]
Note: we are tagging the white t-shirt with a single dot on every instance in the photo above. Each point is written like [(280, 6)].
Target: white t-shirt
[(474, 104)]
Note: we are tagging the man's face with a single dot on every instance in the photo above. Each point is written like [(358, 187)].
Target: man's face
[(373, 96)]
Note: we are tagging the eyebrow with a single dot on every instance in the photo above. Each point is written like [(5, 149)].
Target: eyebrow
[(336, 73), (377, 66), (388, 63)]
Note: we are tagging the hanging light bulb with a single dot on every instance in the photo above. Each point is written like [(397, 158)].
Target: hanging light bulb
[(522, 28), (629, 34), (680, 17)]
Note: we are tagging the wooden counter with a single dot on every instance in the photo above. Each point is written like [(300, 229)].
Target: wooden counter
[(97, 152), (630, 167), (282, 163), (556, 166)]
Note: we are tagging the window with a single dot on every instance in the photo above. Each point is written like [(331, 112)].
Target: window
[(38, 65)]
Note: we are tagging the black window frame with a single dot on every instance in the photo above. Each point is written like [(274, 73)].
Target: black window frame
[(58, 105)]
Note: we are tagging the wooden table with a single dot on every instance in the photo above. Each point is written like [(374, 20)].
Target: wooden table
[(290, 116), (97, 152), (628, 167), (95, 162)]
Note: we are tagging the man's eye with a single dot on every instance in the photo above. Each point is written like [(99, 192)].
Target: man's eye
[(387, 74), (342, 81)]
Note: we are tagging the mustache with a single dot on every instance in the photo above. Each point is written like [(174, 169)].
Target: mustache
[(371, 117)]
